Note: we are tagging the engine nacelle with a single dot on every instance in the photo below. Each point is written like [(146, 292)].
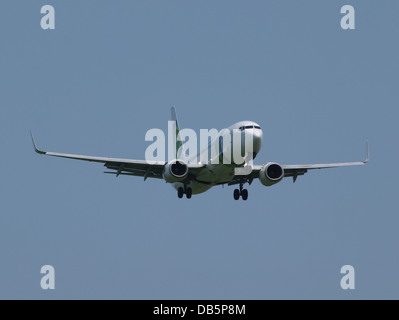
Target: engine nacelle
[(175, 171), (271, 174)]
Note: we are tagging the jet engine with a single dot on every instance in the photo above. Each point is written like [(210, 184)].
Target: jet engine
[(271, 174), (175, 171)]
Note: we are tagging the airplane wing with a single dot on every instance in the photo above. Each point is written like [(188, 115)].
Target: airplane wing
[(140, 168), (298, 170)]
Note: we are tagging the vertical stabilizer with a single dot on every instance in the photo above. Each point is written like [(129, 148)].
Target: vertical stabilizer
[(179, 142)]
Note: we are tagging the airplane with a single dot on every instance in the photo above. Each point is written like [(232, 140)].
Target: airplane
[(190, 178)]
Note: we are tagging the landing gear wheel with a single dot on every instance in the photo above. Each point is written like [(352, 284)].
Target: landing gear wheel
[(180, 193), (236, 194), (189, 193), (244, 194)]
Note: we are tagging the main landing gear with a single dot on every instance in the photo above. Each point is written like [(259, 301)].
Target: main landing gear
[(241, 193), (188, 192)]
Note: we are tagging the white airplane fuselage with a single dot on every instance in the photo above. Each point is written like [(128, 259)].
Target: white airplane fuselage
[(218, 174)]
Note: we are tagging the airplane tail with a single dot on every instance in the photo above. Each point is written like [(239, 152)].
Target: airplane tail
[(179, 142)]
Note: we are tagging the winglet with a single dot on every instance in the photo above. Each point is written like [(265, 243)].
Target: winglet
[(35, 146), (367, 153)]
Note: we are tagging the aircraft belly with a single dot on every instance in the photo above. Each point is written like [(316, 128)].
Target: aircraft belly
[(197, 187), (208, 178), (216, 174)]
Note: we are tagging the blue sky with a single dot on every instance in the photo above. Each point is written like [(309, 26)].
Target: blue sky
[(111, 70)]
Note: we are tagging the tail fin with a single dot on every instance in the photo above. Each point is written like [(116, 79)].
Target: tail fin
[(367, 153), (179, 142)]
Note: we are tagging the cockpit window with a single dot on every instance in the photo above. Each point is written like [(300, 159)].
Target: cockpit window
[(249, 127)]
